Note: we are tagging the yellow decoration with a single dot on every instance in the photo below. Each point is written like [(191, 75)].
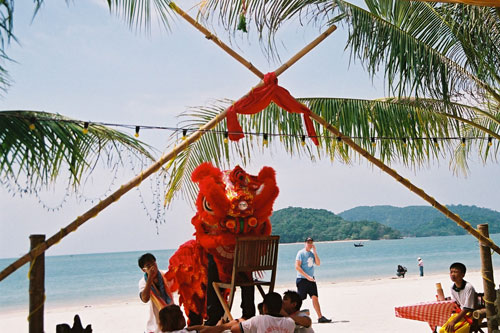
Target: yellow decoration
[(136, 134), (226, 140), (85, 131)]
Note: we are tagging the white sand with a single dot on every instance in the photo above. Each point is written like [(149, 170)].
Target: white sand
[(355, 306)]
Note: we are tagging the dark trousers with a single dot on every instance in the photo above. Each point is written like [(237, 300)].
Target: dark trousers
[(215, 311)]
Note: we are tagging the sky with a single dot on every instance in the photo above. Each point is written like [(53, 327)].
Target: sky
[(82, 62)]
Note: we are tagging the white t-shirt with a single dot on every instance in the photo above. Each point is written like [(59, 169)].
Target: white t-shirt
[(152, 323), (268, 324), (466, 297)]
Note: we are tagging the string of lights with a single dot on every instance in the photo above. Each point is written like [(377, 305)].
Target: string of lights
[(188, 130)]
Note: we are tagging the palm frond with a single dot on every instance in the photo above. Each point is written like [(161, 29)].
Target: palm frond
[(138, 13), (404, 131), (37, 145)]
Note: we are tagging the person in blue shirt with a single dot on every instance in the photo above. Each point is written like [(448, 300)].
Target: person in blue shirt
[(306, 283)]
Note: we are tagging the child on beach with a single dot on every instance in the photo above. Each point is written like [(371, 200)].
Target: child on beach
[(464, 294), (172, 320)]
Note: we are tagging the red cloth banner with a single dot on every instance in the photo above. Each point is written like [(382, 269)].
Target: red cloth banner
[(259, 98)]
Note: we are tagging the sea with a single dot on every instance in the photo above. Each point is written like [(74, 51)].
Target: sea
[(93, 278)]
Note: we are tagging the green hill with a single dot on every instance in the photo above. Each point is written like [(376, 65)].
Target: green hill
[(293, 224), (422, 221)]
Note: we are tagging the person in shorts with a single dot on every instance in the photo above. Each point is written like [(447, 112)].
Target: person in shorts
[(305, 261)]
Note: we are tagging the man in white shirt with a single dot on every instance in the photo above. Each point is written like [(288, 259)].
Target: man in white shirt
[(270, 322), (153, 289)]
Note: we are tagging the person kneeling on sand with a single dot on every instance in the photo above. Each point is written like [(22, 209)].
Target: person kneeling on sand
[(270, 321), (172, 320), (291, 308), (464, 294)]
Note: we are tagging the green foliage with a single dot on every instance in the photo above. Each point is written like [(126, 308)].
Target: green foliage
[(39, 145), (294, 224), (422, 221)]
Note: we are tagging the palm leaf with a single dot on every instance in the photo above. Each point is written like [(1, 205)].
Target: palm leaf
[(138, 13), (404, 129), (53, 141)]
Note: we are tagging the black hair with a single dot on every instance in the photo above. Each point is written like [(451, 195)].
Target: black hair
[(170, 318), (260, 307), (273, 303), (294, 298), (145, 258), (458, 265)]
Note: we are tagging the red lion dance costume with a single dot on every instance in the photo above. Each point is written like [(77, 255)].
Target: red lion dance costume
[(230, 203)]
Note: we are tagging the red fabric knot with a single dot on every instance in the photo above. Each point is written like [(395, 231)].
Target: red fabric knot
[(259, 98)]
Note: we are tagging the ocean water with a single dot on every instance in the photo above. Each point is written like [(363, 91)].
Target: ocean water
[(89, 278)]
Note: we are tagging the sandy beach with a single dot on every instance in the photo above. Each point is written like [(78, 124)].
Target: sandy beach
[(354, 306)]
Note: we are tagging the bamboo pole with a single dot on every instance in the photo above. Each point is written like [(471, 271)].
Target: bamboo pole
[(490, 293), (305, 50), (36, 287), (216, 40), (239, 58), (115, 196), (405, 182)]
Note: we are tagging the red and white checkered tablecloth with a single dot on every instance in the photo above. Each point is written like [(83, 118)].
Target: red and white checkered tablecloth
[(435, 313)]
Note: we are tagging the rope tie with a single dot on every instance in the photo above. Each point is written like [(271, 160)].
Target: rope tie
[(37, 308), (31, 266), (60, 235), (488, 301)]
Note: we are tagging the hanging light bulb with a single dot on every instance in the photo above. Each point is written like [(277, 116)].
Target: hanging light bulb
[(184, 133), (463, 142), (490, 141), (226, 135), (435, 140), (137, 128), (32, 123), (404, 142), (373, 141), (265, 142), (85, 127), (303, 140)]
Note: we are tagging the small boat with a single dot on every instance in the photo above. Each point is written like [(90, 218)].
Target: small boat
[(358, 244)]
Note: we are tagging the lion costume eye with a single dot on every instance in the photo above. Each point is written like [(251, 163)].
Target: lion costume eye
[(206, 207)]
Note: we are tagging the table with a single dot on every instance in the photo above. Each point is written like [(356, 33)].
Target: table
[(435, 313)]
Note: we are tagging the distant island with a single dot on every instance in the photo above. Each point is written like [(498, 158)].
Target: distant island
[(376, 222)]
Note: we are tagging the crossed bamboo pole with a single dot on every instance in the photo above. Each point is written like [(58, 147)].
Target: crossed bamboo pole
[(115, 196), (136, 181), (391, 172)]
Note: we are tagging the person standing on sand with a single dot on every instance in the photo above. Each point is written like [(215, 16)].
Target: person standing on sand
[(421, 266), (153, 288), (306, 283)]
